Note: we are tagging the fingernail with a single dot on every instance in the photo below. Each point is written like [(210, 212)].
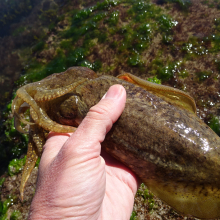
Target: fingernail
[(104, 96), (113, 93)]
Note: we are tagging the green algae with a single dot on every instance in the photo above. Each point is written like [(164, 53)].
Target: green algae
[(183, 73), (134, 60), (150, 19), (82, 15), (11, 131), (143, 11), (141, 37), (214, 124), (66, 44), (167, 39), (147, 196), (203, 75), (182, 4), (2, 180), (85, 23), (82, 25), (133, 216), (86, 63), (166, 23), (106, 5), (37, 162), (154, 80), (39, 46), (4, 206), (215, 39), (3, 210), (193, 48), (13, 144), (16, 165), (73, 57), (16, 215), (167, 72), (113, 18)]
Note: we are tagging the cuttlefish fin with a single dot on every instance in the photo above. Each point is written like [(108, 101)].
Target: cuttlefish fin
[(169, 94)]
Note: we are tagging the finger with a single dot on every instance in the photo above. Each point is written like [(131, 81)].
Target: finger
[(84, 144), (54, 143), (115, 167)]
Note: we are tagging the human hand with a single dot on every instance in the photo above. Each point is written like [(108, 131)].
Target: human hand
[(74, 180)]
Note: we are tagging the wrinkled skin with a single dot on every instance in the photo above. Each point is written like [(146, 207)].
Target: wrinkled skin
[(158, 135)]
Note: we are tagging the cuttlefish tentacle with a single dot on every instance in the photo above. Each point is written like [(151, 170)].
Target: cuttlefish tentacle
[(45, 122), (44, 94), (29, 166), (39, 115), (17, 122), (35, 147), (16, 110), (25, 94), (171, 95), (37, 139)]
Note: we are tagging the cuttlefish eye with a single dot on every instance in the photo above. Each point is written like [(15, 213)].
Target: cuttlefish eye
[(68, 111)]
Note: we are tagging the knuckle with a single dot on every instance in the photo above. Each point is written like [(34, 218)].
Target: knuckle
[(101, 111)]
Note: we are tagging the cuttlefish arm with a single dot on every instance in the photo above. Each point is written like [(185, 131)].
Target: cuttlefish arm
[(18, 109), (37, 139), (24, 94), (29, 166), (169, 94), (36, 142)]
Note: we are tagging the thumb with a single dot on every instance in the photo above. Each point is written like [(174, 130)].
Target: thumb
[(98, 122), (85, 143)]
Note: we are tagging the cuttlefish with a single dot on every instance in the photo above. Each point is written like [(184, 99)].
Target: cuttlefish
[(158, 135)]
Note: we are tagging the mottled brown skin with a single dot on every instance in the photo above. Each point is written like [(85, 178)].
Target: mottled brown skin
[(174, 153)]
